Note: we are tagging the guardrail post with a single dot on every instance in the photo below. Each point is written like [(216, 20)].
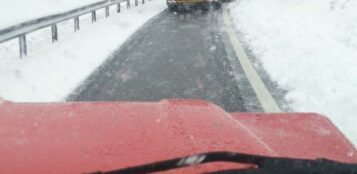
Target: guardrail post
[(136, 2), (118, 7), (94, 16), (76, 24), (107, 11), (23, 45), (128, 4), (54, 33)]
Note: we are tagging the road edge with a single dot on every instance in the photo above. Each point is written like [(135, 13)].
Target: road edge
[(265, 98)]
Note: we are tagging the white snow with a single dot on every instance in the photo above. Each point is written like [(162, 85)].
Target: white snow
[(53, 71), (309, 47), (13, 12)]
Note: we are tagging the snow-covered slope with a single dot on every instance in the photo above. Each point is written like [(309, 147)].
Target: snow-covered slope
[(310, 48), (13, 12), (53, 71)]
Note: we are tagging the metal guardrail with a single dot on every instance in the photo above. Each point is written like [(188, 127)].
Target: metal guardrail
[(21, 30)]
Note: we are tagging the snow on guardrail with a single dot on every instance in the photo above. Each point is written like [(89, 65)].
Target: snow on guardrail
[(21, 30)]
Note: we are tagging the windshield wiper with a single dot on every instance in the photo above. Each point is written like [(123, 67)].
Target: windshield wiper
[(264, 165)]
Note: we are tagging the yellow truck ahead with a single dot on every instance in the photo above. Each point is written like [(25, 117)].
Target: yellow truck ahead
[(176, 5)]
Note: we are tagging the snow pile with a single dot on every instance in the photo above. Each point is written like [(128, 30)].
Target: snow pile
[(13, 12), (54, 72), (310, 49)]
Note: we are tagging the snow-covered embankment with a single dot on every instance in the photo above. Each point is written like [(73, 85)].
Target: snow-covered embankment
[(310, 49), (53, 71)]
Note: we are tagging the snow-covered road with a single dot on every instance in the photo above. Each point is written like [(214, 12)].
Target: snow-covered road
[(308, 48), (154, 64)]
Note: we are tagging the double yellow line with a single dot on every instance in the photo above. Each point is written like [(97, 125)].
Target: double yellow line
[(265, 98)]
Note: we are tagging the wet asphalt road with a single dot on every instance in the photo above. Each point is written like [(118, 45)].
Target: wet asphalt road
[(173, 56)]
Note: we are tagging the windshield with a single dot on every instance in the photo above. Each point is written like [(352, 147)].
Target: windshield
[(179, 77)]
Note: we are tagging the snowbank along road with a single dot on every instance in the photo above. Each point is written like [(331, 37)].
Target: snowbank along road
[(184, 55)]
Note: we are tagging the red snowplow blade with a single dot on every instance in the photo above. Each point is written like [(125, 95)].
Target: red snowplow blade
[(102, 136)]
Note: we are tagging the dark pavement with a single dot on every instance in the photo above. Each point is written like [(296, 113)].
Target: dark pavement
[(173, 56)]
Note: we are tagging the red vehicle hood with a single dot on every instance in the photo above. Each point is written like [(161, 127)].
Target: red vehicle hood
[(101, 136)]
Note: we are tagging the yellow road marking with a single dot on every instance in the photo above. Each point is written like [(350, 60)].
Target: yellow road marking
[(265, 98)]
